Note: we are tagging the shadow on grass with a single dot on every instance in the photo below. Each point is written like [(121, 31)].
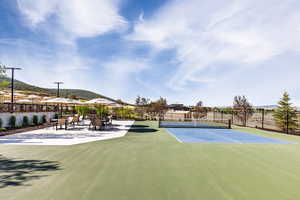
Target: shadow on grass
[(15, 172), (143, 130), (137, 126)]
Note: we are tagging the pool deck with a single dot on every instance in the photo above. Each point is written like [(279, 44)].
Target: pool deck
[(76, 135)]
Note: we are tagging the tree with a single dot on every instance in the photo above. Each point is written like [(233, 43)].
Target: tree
[(102, 110), (141, 106), (138, 101), (199, 104), (2, 70), (158, 108), (4, 83), (82, 110), (199, 111), (285, 115), (243, 109)]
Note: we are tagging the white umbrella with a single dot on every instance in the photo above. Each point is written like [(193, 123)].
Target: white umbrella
[(19, 95), (116, 105), (62, 101), (73, 101), (34, 97), (24, 101), (57, 100), (100, 101)]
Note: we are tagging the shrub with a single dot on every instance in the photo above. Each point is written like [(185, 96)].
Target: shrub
[(1, 123), (12, 121), (25, 122), (2, 129), (44, 119), (35, 120)]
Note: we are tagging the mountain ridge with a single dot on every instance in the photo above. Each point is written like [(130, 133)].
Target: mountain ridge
[(79, 93)]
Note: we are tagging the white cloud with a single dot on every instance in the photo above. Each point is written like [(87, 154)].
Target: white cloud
[(73, 19), (120, 76), (42, 67), (203, 33)]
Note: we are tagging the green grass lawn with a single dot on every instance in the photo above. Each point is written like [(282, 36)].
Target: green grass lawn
[(149, 164)]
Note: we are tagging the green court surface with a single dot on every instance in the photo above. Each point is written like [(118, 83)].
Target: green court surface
[(150, 164)]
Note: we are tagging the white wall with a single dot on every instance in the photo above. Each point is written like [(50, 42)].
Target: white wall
[(19, 116)]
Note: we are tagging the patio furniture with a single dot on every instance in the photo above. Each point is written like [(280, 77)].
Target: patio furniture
[(61, 122), (96, 122), (71, 121)]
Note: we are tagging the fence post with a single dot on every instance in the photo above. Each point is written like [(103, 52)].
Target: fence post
[(263, 118), (245, 118), (287, 122)]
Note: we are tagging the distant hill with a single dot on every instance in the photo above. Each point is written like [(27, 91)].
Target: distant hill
[(268, 107), (82, 94)]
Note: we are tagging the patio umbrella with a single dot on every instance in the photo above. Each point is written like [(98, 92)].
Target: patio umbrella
[(24, 101), (100, 101), (34, 96), (115, 105), (62, 101), (58, 100)]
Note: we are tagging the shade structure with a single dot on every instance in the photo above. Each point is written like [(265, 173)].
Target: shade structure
[(34, 97), (115, 105), (59, 100), (100, 101), (24, 101)]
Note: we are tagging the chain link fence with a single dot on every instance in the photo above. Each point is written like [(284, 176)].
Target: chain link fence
[(261, 118)]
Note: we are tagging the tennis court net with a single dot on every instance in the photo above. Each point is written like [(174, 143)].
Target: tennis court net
[(195, 123)]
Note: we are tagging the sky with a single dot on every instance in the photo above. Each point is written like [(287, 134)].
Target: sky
[(185, 51)]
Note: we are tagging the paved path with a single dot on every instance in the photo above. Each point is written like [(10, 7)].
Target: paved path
[(78, 135)]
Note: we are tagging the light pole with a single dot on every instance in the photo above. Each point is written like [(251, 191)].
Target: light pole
[(12, 85), (58, 87)]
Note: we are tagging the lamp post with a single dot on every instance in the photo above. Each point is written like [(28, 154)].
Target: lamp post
[(12, 85)]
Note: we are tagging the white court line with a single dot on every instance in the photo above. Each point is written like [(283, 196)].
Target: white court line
[(204, 141), (173, 135)]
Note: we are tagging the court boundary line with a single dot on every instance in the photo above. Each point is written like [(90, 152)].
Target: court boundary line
[(215, 135), (178, 140)]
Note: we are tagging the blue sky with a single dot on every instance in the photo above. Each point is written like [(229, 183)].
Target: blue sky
[(186, 51)]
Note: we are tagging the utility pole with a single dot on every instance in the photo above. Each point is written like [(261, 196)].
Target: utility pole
[(12, 85), (58, 87)]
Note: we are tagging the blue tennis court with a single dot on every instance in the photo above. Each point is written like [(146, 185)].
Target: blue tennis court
[(208, 135)]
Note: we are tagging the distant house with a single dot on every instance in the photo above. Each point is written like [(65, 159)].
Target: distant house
[(177, 114), (178, 107)]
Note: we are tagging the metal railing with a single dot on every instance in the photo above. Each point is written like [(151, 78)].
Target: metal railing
[(17, 107)]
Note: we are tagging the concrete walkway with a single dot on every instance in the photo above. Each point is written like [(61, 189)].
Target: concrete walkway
[(77, 135)]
